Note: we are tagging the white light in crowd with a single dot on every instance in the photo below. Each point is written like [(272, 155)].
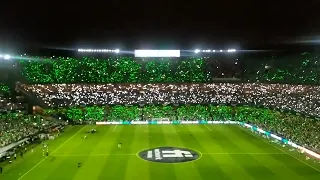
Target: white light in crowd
[(221, 50), (117, 51), (196, 51)]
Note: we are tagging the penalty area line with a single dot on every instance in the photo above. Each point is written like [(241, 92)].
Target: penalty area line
[(52, 152)]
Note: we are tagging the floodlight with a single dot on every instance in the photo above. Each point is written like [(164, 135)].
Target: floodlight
[(99, 50), (157, 53), (231, 50), (6, 57), (196, 51)]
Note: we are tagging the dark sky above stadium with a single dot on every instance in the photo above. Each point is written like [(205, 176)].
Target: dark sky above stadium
[(157, 24)]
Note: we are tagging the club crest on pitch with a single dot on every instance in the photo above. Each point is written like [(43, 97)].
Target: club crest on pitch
[(169, 155)]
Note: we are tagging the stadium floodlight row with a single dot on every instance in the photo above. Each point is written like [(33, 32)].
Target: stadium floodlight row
[(153, 53), (209, 50), (100, 50)]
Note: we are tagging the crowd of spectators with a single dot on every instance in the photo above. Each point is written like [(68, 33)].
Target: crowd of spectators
[(146, 89), (7, 105), (298, 98), (5, 101), (114, 70), (16, 126), (303, 68), (4, 88), (276, 68)]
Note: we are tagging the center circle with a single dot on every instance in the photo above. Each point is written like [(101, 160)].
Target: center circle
[(169, 155)]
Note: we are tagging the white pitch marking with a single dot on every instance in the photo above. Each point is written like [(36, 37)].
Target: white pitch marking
[(207, 127), (115, 128), (81, 155), (51, 152), (296, 158), (242, 153)]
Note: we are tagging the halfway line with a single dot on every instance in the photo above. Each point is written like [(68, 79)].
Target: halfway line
[(81, 155)]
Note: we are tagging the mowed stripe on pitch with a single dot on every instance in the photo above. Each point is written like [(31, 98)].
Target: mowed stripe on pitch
[(281, 165), (226, 161), (140, 142), (173, 139), (228, 153), (18, 168), (159, 171), (38, 169), (115, 166), (104, 137), (295, 162), (267, 161), (65, 167)]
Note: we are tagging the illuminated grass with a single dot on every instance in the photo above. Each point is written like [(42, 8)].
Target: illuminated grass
[(228, 152)]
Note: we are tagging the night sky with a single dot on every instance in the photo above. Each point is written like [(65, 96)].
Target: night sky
[(157, 24)]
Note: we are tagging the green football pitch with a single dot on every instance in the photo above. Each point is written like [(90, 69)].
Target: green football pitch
[(225, 152)]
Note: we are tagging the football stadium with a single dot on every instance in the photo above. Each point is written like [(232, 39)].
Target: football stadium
[(160, 114)]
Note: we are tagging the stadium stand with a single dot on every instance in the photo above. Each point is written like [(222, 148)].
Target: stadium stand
[(15, 123), (17, 126), (302, 98), (114, 70), (283, 68), (261, 93)]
